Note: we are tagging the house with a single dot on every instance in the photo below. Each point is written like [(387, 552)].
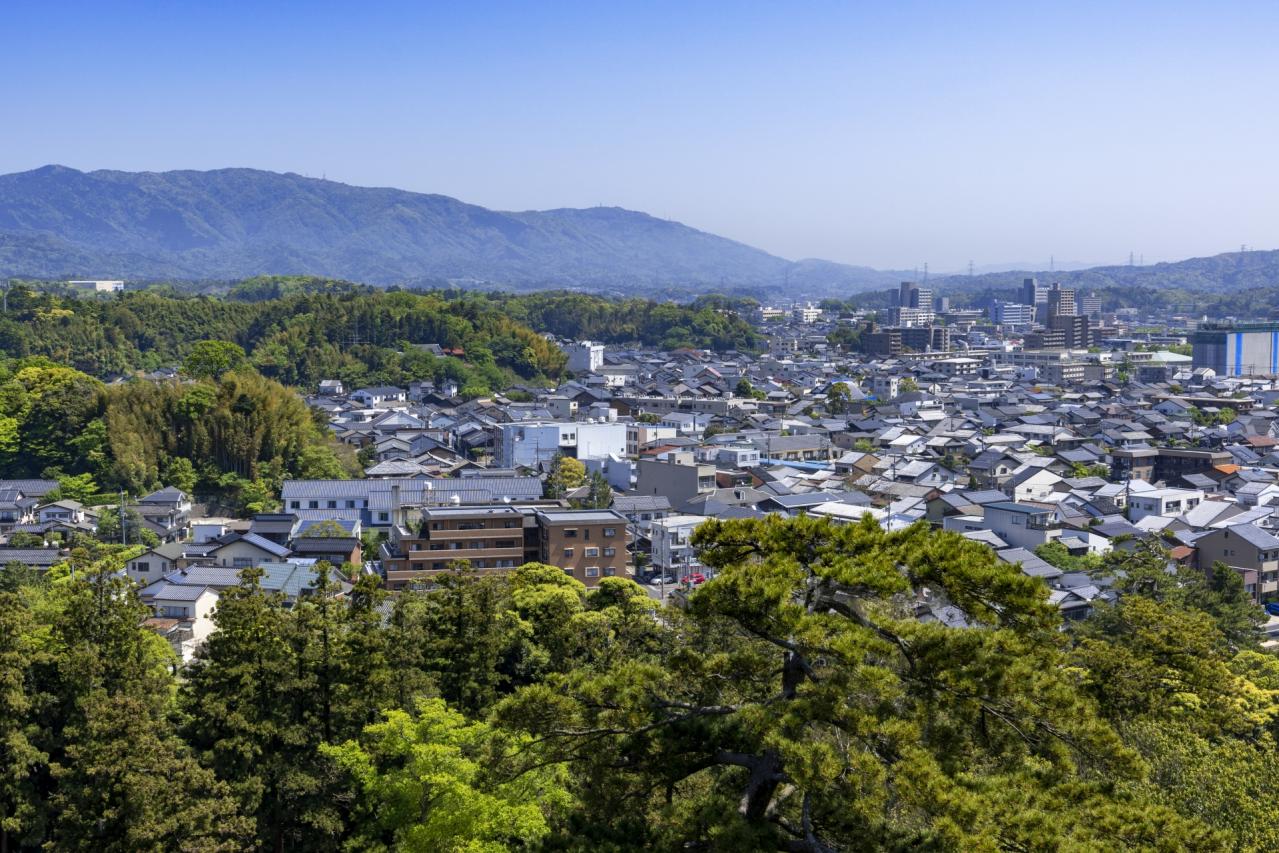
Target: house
[(338, 542), (673, 551), (241, 551), (378, 396), (1032, 484), (1247, 549), (155, 562), (166, 513), (1020, 525), (1162, 502), (183, 615)]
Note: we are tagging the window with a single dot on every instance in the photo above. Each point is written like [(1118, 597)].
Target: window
[(437, 546), (610, 552), (610, 532), (570, 533), (241, 563), (437, 566), (568, 553), (568, 572), (313, 504), (509, 523), (382, 516), (435, 525), (333, 504), (591, 552), (142, 567), (295, 504), (350, 504), (609, 571), (592, 572), (416, 546)]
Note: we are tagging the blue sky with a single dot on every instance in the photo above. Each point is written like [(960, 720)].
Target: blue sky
[(886, 134)]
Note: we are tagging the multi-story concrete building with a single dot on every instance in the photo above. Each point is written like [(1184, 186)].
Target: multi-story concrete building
[(486, 537), (673, 551), (1074, 329), (676, 476), (1245, 349), (584, 356), (1013, 315), (529, 444), (641, 436), (911, 295), (1163, 464), (588, 544), (1061, 301)]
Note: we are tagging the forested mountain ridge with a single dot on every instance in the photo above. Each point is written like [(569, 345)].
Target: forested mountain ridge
[(57, 222)]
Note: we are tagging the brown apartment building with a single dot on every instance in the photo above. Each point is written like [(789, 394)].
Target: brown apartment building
[(487, 537), (588, 544)]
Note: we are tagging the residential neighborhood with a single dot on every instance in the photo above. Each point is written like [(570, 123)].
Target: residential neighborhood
[(990, 436)]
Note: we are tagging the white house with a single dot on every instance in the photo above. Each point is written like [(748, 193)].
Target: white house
[(672, 550), (1163, 502), (183, 615)]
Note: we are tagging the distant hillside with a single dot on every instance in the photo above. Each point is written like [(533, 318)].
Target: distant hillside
[(57, 222), (1232, 271)]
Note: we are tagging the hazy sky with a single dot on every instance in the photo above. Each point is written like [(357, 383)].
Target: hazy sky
[(889, 134)]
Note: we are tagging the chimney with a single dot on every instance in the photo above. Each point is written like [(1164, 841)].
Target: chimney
[(395, 504)]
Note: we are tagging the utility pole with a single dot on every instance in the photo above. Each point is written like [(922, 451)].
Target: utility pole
[(124, 533)]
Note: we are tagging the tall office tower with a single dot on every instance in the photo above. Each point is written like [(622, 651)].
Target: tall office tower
[(911, 295), (1061, 301), (941, 304), (1090, 305), (1074, 327), (1030, 292)]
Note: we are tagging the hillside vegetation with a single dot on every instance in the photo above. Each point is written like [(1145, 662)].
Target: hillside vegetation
[(57, 222)]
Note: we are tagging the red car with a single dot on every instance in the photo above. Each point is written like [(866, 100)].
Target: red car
[(695, 580)]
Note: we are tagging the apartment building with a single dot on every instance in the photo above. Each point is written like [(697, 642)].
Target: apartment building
[(675, 476), (588, 544), (486, 537)]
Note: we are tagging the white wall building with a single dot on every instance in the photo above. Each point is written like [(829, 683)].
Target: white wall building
[(527, 444), (672, 551), (585, 356)]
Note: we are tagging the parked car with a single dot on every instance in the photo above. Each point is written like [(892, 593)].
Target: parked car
[(659, 579), (1272, 608), (696, 579)]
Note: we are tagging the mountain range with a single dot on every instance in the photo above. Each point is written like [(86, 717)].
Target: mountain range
[(57, 222)]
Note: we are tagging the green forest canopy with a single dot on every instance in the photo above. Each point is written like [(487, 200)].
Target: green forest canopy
[(299, 331), (798, 704)]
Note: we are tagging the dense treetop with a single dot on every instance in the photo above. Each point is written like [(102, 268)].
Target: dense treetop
[(797, 704)]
